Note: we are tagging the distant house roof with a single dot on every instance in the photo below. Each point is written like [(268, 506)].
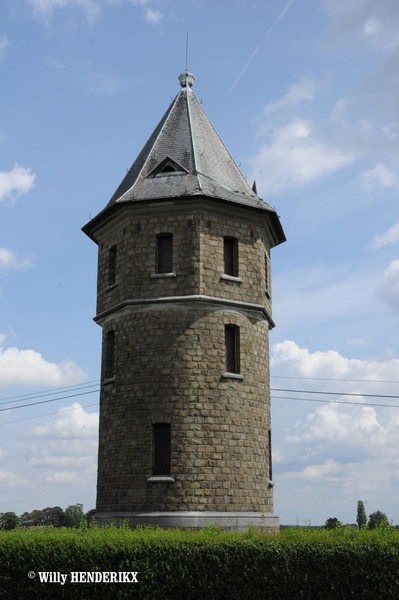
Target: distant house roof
[(184, 157)]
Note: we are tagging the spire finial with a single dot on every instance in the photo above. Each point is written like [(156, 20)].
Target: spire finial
[(186, 79)]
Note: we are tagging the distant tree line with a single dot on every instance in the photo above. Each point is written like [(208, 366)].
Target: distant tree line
[(55, 515), (376, 519)]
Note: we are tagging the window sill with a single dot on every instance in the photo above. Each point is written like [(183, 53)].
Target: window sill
[(227, 375), (162, 275), (230, 278), (161, 479), (271, 484), (110, 287), (109, 380)]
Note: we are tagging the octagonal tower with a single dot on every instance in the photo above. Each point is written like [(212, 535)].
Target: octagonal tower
[(184, 302)]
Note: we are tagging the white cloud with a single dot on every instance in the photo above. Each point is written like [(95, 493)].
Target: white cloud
[(320, 472), (374, 22), (61, 477), (16, 182), (391, 132), (92, 9), (4, 43), (303, 90), (290, 359), (70, 424), (7, 476), (44, 459), (334, 424), (10, 261), (295, 158), (336, 449), (378, 175), (339, 111), (28, 367), (357, 341), (388, 287), (391, 236), (153, 16), (46, 8), (67, 450)]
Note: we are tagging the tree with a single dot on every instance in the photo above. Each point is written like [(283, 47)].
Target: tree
[(54, 516), (8, 520), (24, 519), (361, 518), (378, 519), (36, 518), (74, 515), (332, 523)]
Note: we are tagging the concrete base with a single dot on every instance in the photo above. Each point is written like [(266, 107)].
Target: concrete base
[(233, 521)]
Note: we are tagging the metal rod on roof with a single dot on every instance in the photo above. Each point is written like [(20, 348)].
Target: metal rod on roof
[(187, 51)]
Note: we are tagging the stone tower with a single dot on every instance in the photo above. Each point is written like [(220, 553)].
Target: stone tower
[(184, 302)]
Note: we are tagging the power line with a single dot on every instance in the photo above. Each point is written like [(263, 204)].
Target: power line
[(51, 400), (42, 393), (48, 414), (336, 402), (333, 393), (334, 379)]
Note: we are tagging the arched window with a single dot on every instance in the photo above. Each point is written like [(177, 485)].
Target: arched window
[(109, 356), (162, 448), (230, 256), (165, 253), (232, 349)]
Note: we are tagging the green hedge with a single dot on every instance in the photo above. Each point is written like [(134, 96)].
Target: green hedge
[(209, 564)]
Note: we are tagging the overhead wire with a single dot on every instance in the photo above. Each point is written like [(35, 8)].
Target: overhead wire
[(95, 383), (332, 393), (334, 379), (36, 395), (46, 401), (361, 404), (59, 412)]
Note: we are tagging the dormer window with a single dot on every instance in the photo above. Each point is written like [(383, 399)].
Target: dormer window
[(167, 167)]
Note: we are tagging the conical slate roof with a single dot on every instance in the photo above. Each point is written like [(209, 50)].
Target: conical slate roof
[(185, 157)]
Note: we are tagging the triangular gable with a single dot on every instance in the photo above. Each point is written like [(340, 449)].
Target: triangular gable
[(166, 167)]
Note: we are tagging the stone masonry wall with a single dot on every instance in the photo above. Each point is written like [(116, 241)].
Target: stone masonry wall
[(169, 366), (169, 361), (197, 253)]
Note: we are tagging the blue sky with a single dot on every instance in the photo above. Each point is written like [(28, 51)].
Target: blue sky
[(304, 95)]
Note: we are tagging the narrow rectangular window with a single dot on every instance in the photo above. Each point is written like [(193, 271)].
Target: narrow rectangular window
[(230, 256), (232, 343), (266, 273), (109, 370), (270, 456), (111, 265), (162, 447), (165, 253)]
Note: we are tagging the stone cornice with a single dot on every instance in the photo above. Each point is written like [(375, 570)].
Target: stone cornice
[(249, 309)]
